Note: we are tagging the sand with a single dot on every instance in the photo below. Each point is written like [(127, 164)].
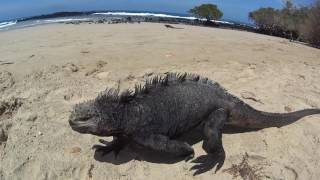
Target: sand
[(45, 70)]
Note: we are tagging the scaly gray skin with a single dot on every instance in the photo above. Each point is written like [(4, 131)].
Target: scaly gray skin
[(168, 106)]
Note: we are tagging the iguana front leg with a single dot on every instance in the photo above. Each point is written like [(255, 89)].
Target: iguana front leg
[(162, 143), (116, 145), (212, 143)]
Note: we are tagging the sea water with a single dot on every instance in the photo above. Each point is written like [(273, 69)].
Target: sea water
[(21, 23)]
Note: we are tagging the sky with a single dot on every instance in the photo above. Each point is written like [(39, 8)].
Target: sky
[(236, 10)]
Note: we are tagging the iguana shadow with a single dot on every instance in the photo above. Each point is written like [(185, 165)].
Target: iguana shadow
[(204, 162), (134, 151)]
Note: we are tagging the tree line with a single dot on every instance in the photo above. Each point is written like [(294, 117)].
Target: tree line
[(292, 22), (296, 23)]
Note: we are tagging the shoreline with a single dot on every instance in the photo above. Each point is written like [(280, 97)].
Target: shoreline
[(124, 17), (114, 17)]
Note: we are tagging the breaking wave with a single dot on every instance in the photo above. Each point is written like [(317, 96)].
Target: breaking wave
[(34, 22), (156, 15), (6, 24), (144, 14), (63, 20)]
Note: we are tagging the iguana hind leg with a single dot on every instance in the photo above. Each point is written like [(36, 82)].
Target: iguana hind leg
[(212, 143), (162, 143), (212, 140)]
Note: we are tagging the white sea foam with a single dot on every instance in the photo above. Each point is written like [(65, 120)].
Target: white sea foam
[(3, 25), (63, 20), (6, 24), (157, 15), (222, 22), (144, 14), (9, 24)]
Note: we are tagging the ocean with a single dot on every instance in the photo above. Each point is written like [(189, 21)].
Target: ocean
[(85, 16)]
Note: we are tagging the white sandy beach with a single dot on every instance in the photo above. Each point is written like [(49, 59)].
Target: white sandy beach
[(45, 70)]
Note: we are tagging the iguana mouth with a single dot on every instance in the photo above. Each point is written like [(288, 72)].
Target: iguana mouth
[(109, 132), (83, 125)]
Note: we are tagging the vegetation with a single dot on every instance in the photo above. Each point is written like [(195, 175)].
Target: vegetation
[(311, 29), (208, 11), (300, 23)]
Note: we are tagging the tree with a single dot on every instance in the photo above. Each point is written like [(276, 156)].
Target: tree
[(208, 11), (292, 16), (283, 22), (310, 30), (265, 18), (291, 22)]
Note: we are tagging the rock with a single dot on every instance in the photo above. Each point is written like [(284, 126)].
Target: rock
[(6, 80), (40, 133), (100, 21)]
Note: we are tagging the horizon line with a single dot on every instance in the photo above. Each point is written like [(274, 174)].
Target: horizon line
[(94, 11)]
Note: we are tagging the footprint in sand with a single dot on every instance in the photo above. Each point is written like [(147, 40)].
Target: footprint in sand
[(85, 52), (3, 135), (96, 69), (5, 63), (6, 80), (306, 101), (70, 67)]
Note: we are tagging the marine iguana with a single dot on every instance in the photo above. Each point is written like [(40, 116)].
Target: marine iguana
[(172, 27), (155, 113)]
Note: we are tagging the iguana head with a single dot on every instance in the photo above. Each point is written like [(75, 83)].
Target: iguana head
[(86, 118)]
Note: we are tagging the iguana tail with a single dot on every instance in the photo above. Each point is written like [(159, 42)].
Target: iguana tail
[(249, 117)]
